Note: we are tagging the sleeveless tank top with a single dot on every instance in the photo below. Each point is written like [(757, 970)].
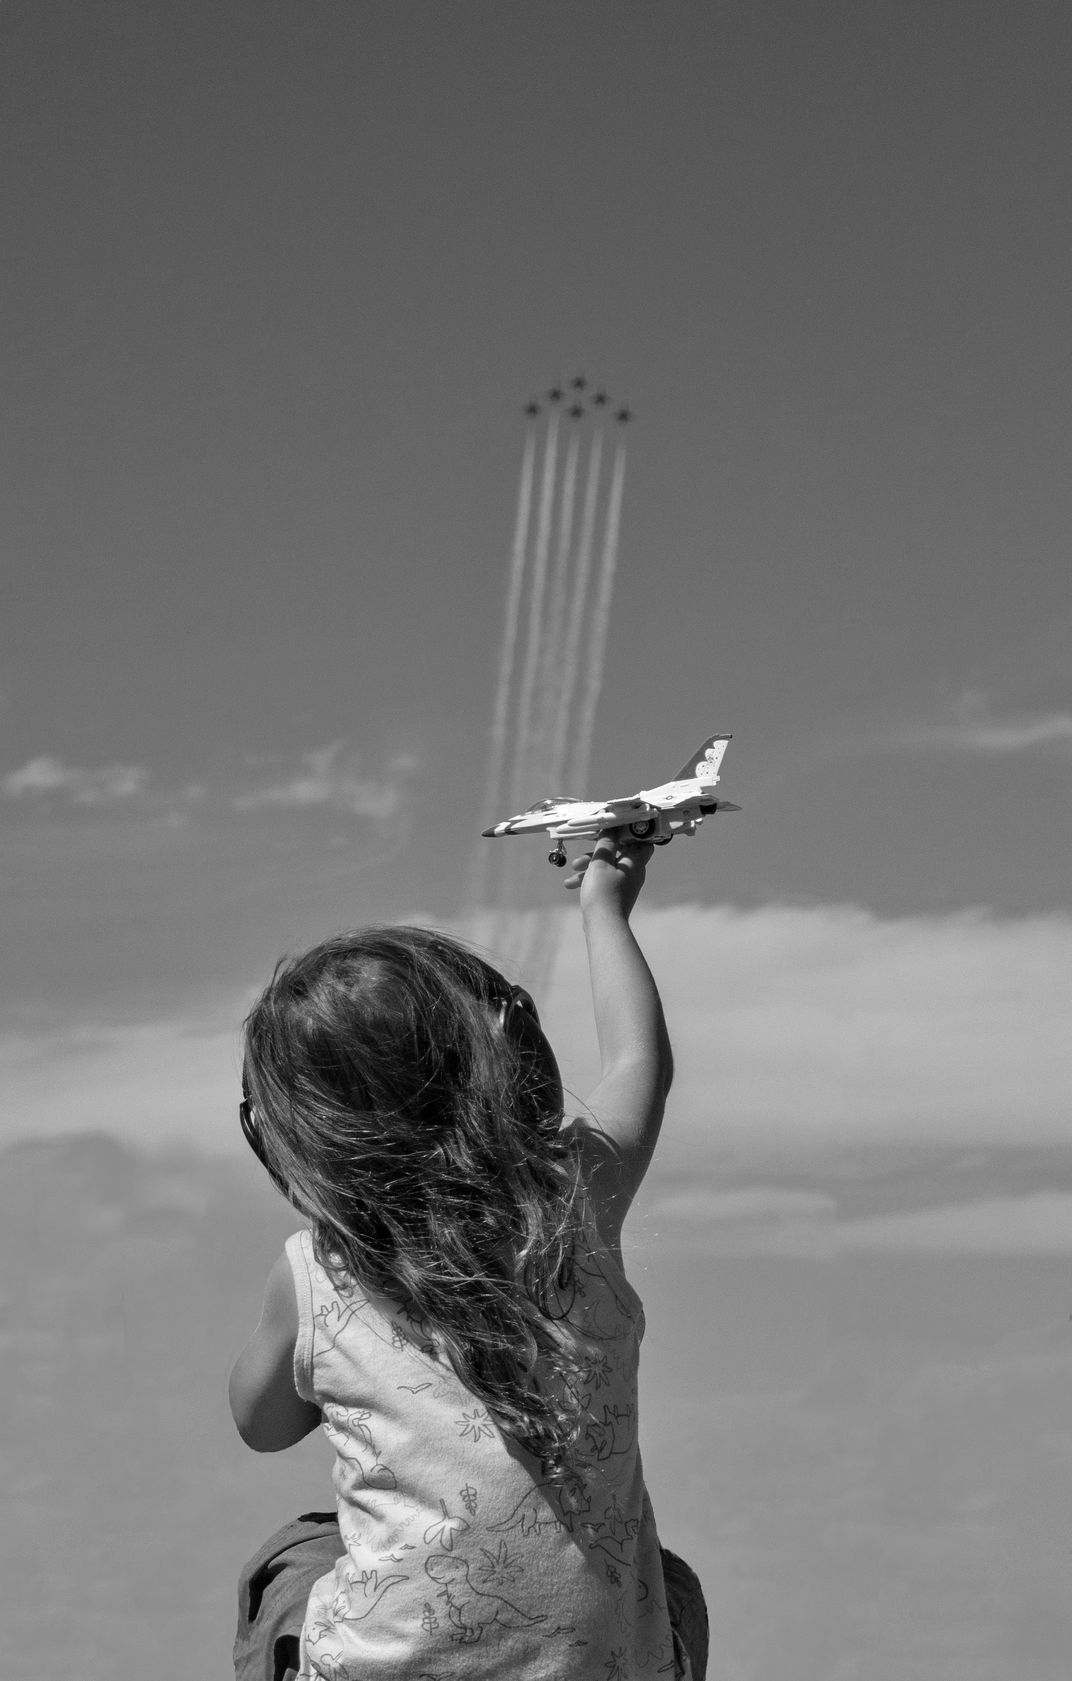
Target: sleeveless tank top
[(462, 1559)]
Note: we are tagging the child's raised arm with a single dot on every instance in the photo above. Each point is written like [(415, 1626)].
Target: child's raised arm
[(634, 1047)]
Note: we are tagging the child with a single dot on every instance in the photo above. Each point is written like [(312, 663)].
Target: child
[(457, 1318)]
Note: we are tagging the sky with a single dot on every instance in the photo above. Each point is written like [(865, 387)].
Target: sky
[(286, 281), (282, 281)]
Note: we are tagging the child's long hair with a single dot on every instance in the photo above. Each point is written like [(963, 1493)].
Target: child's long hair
[(419, 1133)]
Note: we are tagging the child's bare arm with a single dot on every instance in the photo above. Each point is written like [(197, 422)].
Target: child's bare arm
[(269, 1412), (634, 1047)]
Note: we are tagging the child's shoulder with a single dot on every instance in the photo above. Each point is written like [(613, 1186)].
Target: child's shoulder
[(601, 1172), (607, 1190)]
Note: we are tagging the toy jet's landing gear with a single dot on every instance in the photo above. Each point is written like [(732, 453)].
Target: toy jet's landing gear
[(557, 858), (641, 831)]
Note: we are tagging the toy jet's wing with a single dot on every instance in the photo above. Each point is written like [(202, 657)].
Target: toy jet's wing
[(617, 812), (551, 815), (685, 796)]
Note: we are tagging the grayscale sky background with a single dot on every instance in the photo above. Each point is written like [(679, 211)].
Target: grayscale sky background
[(279, 280)]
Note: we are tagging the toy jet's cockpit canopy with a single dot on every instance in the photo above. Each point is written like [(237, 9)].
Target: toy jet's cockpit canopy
[(550, 805)]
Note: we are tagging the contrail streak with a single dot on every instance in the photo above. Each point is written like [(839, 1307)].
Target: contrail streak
[(551, 663), (539, 581), (553, 646), (578, 600), (493, 791), (596, 655)]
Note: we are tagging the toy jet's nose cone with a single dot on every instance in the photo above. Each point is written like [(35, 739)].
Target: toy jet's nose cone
[(488, 834)]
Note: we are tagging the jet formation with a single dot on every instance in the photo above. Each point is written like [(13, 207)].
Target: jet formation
[(578, 386)]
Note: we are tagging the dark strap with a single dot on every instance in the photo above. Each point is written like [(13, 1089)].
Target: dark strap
[(273, 1592)]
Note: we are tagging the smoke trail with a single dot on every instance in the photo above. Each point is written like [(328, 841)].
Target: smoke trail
[(522, 762), (553, 634), (600, 619), (552, 629), (578, 600), (493, 791), (545, 935)]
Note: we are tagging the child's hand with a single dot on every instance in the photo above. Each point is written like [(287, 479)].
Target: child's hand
[(611, 874)]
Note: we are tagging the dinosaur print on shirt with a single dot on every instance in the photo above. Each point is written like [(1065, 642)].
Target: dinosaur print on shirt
[(473, 1609)]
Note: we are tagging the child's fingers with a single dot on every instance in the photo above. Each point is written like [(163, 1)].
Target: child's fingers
[(639, 851), (614, 850), (578, 866), (608, 849)]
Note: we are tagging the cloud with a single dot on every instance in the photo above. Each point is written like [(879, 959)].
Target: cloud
[(330, 776), (869, 1472), (798, 1032), (749, 1219), (896, 1508), (324, 776), (783, 1221), (745, 1204), (974, 729), (156, 1082), (1048, 729), (1033, 1225), (47, 775), (797, 1027)]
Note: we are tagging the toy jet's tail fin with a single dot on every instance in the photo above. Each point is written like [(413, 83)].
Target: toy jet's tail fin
[(703, 764)]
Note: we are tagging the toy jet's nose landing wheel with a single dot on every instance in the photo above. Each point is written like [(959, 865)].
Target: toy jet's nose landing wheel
[(641, 831), (557, 858)]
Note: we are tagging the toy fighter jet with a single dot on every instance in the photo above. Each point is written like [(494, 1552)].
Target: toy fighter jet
[(655, 814)]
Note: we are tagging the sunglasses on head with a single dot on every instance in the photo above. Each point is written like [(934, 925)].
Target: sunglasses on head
[(517, 1002), (247, 1115)]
